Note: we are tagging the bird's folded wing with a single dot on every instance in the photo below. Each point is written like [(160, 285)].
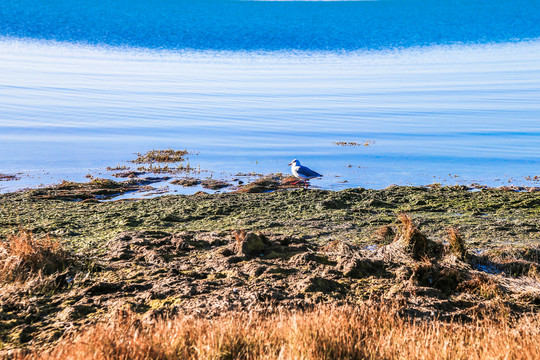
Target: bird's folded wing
[(307, 172)]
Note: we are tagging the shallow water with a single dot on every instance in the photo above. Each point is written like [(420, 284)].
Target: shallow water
[(443, 101)]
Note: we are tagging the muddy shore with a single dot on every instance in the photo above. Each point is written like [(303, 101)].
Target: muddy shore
[(208, 254)]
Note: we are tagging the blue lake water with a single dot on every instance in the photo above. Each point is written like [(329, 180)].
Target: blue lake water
[(448, 91)]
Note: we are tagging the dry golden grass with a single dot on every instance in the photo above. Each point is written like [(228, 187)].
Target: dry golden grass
[(412, 238), (384, 235), (363, 332), (24, 255), (483, 286), (456, 243)]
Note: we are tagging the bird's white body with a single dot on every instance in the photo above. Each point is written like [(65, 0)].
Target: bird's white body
[(294, 170), (303, 173)]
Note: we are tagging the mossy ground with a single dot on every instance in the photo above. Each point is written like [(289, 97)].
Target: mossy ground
[(487, 218)]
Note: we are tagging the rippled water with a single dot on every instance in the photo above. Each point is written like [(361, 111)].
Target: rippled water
[(251, 85)]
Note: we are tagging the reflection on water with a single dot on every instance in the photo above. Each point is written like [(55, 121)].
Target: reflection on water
[(469, 111)]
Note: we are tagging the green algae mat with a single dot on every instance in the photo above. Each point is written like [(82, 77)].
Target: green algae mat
[(486, 218)]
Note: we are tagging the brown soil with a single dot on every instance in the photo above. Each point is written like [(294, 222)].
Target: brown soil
[(155, 273)]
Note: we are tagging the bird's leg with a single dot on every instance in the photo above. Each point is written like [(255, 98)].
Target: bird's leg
[(305, 183)]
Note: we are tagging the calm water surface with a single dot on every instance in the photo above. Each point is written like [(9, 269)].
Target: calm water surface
[(446, 95)]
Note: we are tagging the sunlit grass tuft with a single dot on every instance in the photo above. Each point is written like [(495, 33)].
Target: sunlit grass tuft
[(409, 236), (456, 243), (24, 255)]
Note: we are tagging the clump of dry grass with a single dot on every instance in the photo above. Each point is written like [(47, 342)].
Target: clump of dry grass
[(24, 255), (413, 240), (481, 285), (456, 244), (239, 235), (384, 234), (326, 332)]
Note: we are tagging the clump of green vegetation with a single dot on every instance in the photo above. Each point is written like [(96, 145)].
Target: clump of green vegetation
[(161, 156), (24, 255)]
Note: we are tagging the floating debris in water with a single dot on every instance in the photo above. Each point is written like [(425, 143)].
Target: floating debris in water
[(117, 168), (161, 156), (355, 143), (128, 174), (172, 159), (9, 177), (532, 178), (166, 169)]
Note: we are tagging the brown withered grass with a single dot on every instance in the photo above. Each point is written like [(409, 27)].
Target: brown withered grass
[(24, 255), (456, 243), (327, 332), (483, 286), (384, 235), (409, 236)]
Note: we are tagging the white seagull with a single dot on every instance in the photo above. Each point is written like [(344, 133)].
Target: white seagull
[(302, 173)]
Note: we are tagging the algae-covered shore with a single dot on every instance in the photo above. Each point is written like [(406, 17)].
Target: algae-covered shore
[(207, 254), (487, 218)]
